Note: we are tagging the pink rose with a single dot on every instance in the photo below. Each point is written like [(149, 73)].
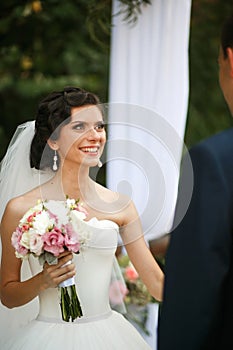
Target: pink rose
[(117, 292), (21, 252), (16, 237), (16, 242), (54, 241), (71, 238), (131, 274), (36, 243)]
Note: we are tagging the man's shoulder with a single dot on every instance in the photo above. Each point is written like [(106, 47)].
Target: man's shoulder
[(216, 149), (217, 142), (221, 135)]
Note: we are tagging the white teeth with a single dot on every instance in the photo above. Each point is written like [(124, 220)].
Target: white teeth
[(90, 150)]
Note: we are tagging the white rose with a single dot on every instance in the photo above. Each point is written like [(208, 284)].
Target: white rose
[(70, 203), (81, 227), (75, 214), (25, 239), (42, 221)]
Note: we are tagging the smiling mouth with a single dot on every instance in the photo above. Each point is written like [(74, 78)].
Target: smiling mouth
[(92, 150)]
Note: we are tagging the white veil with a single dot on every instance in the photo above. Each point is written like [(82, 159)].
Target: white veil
[(16, 178), (16, 175)]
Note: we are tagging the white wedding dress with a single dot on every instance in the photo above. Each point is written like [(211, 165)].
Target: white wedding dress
[(100, 328)]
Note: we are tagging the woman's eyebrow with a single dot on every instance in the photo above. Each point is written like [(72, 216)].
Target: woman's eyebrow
[(78, 121), (84, 122)]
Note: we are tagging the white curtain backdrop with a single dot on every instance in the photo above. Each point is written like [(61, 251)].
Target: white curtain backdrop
[(149, 87), (148, 95)]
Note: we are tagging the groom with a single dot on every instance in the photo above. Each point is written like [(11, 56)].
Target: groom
[(197, 312)]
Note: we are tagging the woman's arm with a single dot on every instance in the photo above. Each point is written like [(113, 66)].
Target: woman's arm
[(13, 292), (139, 254)]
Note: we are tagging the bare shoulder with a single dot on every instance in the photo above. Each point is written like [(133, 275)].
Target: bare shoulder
[(18, 206), (117, 206), (112, 196)]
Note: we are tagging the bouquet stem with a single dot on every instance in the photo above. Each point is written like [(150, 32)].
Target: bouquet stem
[(70, 305)]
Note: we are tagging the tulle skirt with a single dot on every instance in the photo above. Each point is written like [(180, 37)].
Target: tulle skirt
[(110, 332)]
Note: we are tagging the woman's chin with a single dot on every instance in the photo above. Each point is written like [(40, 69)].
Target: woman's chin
[(90, 162)]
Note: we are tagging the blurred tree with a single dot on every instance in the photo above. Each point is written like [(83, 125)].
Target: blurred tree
[(208, 112), (44, 46), (48, 44)]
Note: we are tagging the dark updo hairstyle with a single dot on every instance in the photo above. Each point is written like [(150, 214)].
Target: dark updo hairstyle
[(53, 112)]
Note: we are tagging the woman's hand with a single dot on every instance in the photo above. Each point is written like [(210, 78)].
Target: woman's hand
[(53, 275)]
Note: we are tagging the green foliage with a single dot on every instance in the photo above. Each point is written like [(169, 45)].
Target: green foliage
[(99, 21), (44, 46), (208, 112), (48, 44), (51, 41), (131, 9)]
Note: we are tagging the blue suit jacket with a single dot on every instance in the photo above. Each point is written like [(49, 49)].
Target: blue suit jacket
[(197, 311)]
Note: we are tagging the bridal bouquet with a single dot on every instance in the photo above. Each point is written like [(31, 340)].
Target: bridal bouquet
[(41, 234)]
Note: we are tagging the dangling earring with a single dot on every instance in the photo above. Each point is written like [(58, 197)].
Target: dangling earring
[(55, 161), (100, 163)]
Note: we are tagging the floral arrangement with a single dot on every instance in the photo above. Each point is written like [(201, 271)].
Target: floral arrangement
[(41, 234), (137, 293), (133, 293)]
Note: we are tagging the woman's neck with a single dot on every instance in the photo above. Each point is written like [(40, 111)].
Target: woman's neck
[(74, 183)]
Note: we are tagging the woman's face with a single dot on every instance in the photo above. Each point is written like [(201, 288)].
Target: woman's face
[(82, 140)]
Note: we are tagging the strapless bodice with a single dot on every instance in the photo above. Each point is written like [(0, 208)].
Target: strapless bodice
[(93, 268)]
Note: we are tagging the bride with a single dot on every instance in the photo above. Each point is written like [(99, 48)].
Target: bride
[(69, 138)]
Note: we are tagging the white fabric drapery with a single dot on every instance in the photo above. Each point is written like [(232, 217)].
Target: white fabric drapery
[(148, 101), (148, 95)]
